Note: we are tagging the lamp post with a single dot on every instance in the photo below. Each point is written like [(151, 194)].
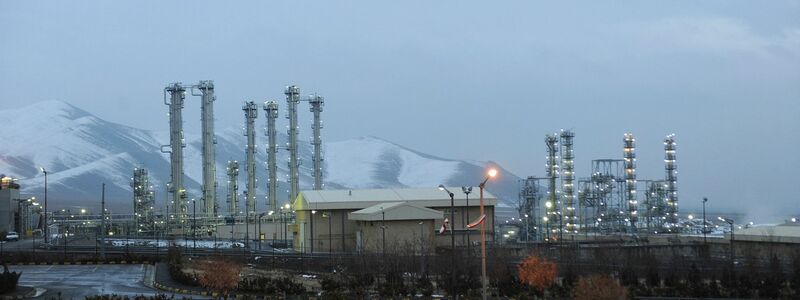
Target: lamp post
[(421, 248), (452, 236), (194, 227), (286, 208), (259, 229), (330, 234), (246, 223), (467, 190), (313, 212), (383, 232), (46, 231), (730, 222), (704, 219), (492, 173)]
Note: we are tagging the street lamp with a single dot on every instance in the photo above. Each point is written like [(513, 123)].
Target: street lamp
[(46, 231), (194, 227), (492, 173), (704, 220), (452, 236), (466, 190), (730, 222), (313, 212), (286, 208)]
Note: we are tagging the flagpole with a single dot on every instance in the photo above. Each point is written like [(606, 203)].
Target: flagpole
[(491, 174), (452, 239)]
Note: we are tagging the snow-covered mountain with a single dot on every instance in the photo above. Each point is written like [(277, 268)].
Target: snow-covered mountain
[(81, 151)]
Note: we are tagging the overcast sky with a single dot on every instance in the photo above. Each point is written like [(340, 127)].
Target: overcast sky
[(454, 79)]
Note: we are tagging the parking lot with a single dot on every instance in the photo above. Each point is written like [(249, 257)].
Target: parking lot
[(78, 281)]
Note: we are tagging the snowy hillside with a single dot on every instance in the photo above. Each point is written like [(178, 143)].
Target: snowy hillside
[(81, 151)]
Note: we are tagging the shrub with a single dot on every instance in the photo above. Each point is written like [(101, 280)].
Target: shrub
[(537, 272), (599, 287), (219, 275)]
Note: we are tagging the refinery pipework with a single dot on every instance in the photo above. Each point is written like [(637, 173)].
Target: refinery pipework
[(250, 113), (207, 99), (316, 107), (143, 201), (271, 111), (671, 169), (630, 178), (551, 168), (568, 179), (292, 99), (233, 187), (177, 95)]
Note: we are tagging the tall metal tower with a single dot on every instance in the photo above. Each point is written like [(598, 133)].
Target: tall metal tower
[(551, 168), (206, 88), (671, 181), (630, 178), (529, 208), (568, 179), (233, 187), (250, 113), (292, 99), (177, 95), (271, 111), (143, 201), (316, 107)]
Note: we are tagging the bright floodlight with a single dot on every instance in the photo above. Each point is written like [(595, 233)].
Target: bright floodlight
[(492, 173), (287, 206)]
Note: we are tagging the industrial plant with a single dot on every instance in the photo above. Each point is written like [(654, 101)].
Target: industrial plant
[(432, 234), (552, 208)]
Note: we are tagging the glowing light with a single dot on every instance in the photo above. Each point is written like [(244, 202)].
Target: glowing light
[(492, 173)]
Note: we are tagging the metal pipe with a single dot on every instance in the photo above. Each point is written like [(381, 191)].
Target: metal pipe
[(271, 111), (206, 88), (292, 99), (316, 107)]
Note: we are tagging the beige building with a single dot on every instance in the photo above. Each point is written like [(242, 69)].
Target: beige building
[(408, 218)]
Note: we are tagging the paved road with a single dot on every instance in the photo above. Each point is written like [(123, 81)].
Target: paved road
[(76, 282)]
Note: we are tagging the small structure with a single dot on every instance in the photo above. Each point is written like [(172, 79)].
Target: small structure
[(9, 194), (395, 219)]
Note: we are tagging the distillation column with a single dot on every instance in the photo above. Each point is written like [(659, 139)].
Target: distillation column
[(292, 99), (630, 178), (271, 111), (568, 179), (671, 181), (551, 205), (233, 188), (143, 201), (250, 113), (177, 95), (316, 108), (210, 205)]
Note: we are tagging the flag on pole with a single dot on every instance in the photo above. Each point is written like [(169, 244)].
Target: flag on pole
[(477, 222), (444, 226)]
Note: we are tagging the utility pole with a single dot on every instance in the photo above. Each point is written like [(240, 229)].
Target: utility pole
[(704, 220)]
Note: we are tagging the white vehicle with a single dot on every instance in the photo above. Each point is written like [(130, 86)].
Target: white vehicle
[(12, 236)]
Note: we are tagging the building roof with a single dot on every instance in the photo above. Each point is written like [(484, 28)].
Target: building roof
[(395, 211), (783, 233), (360, 199)]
